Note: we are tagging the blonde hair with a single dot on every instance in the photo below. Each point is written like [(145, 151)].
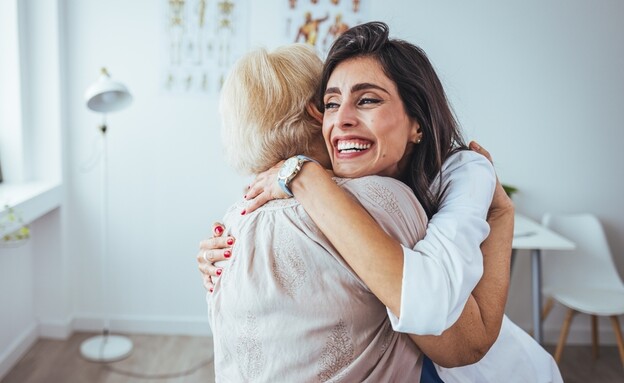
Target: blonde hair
[(263, 107)]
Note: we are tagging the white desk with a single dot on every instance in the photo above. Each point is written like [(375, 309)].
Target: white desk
[(530, 235)]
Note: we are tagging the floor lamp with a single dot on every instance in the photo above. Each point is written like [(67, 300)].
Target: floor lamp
[(105, 96)]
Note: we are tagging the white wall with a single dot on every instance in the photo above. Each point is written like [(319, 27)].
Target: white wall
[(166, 182), (538, 84)]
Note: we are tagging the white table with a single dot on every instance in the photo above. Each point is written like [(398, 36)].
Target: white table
[(530, 235)]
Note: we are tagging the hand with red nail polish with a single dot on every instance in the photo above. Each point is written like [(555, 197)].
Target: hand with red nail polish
[(215, 249), (218, 230)]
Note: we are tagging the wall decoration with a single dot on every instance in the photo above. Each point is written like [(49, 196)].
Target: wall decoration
[(12, 221), (204, 38), (319, 22)]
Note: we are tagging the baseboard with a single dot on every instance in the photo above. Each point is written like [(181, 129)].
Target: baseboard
[(12, 355), (192, 326), (56, 329)]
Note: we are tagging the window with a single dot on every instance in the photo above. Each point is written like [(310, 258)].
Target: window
[(30, 142), (11, 146)]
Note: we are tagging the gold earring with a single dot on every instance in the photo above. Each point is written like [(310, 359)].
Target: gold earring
[(418, 142)]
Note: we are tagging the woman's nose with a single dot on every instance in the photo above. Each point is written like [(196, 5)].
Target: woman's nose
[(346, 116)]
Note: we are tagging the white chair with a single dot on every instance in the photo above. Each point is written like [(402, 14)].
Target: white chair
[(584, 280)]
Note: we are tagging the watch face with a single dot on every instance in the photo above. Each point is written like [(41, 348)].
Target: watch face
[(288, 168)]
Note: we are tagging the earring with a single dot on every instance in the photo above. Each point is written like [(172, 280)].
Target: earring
[(418, 142)]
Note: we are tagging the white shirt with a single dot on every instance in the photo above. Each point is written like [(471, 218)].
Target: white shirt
[(442, 269), (515, 357)]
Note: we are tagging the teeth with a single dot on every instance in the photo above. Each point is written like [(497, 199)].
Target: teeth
[(351, 146)]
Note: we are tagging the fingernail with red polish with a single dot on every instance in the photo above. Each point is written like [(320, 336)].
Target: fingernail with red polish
[(243, 212), (227, 254), (219, 271), (211, 289), (218, 230), (230, 241)]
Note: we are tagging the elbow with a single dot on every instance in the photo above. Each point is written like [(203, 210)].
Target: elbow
[(476, 354), (468, 356), (464, 360)]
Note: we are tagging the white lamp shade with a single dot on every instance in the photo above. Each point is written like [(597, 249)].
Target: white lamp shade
[(106, 95)]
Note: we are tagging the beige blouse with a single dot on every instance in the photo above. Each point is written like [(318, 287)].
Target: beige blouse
[(287, 307)]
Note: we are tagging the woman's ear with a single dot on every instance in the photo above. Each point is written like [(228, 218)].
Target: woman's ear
[(415, 133), (314, 112)]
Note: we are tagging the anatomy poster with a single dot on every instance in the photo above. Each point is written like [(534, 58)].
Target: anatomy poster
[(203, 39), (319, 22)]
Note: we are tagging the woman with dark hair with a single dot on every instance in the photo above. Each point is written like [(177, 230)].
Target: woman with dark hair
[(423, 97), (371, 84)]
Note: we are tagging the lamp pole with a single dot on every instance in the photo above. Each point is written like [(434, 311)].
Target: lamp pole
[(105, 96), (104, 230)]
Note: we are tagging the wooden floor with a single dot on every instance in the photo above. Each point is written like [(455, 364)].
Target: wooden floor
[(577, 365), (155, 358), (177, 359)]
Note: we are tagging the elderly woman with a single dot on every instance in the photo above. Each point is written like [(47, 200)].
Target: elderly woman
[(288, 308)]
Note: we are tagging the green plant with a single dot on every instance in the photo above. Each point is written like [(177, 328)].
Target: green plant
[(12, 218), (510, 190)]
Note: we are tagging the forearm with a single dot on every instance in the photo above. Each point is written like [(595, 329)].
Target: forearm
[(462, 344), (492, 290), (374, 256), (479, 324)]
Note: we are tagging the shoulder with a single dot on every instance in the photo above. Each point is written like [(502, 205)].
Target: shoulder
[(387, 193), (468, 179), (377, 189), (468, 170), (392, 204), (288, 206), (466, 161), (372, 181)]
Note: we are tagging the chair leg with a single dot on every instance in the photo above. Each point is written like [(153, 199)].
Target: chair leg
[(594, 324), (564, 334), (618, 336), (550, 302)]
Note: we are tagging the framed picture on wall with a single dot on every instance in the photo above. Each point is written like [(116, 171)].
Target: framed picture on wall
[(319, 22)]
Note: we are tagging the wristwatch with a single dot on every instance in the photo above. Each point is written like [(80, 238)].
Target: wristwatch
[(289, 170)]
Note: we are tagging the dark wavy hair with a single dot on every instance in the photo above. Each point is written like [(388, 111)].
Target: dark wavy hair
[(423, 98)]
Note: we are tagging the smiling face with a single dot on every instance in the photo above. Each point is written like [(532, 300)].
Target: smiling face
[(365, 126)]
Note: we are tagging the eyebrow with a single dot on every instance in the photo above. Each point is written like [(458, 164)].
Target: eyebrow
[(356, 88)]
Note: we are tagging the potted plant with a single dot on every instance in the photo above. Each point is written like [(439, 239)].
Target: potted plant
[(510, 190)]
